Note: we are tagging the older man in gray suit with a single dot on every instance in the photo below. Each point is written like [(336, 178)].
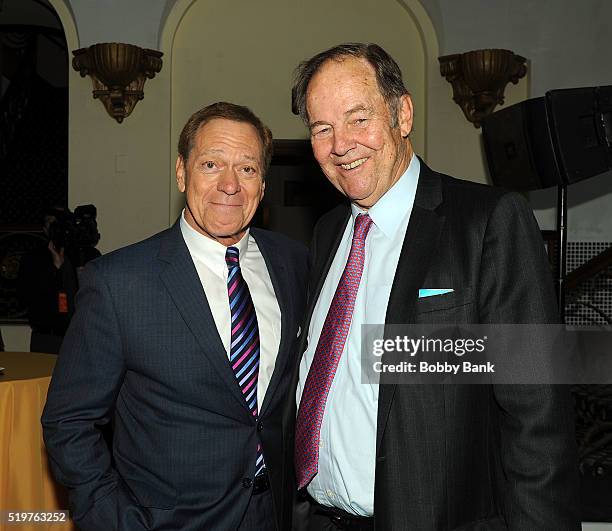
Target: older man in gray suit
[(416, 457)]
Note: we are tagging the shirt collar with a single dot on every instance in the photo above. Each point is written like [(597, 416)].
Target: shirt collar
[(209, 251), (396, 203)]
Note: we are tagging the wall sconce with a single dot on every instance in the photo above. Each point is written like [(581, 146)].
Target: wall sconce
[(479, 79), (118, 72)]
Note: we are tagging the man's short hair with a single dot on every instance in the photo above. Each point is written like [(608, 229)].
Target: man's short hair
[(388, 75), (228, 111)]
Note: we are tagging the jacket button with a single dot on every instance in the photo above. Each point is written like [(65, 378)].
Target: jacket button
[(259, 426), (247, 483)]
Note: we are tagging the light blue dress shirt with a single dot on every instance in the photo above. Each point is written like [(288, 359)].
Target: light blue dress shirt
[(347, 449)]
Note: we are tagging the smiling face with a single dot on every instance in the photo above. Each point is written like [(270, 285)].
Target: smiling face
[(351, 134), (222, 179)]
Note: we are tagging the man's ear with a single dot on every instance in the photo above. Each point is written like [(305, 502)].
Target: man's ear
[(405, 112), (263, 189), (180, 174)]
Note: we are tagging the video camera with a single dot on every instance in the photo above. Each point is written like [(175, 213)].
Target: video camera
[(74, 230)]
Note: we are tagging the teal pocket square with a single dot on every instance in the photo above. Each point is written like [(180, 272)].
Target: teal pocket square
[(432, 292)]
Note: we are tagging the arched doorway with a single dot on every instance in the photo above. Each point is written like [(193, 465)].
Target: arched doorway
[(33, 134), (214, 55)]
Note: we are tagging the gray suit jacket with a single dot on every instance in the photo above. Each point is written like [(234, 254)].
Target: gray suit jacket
[(465, 457), (144, 351)]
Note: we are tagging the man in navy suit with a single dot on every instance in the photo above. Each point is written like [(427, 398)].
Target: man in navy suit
[(184, 343)]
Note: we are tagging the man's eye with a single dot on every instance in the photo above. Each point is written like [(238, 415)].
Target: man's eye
[(249, 169), (360, 121), (321, 132), (209, 165)]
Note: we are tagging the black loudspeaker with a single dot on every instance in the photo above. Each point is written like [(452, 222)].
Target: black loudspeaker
[(561, 138)]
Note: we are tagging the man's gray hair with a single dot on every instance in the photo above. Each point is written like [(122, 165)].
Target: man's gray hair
[(388, 75)]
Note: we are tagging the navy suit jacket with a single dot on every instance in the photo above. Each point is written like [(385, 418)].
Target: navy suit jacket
[(143, 352)]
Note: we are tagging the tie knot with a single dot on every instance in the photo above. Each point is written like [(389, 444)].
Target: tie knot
[(363, 222), (231, 257)]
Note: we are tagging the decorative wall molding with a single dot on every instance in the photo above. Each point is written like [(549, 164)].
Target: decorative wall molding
[(479, 79), (118, 72)]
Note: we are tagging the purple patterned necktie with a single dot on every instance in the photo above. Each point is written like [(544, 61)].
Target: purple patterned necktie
[(244, 349), (327, 355)]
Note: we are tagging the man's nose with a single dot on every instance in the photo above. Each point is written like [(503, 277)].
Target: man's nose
[(343, 142), (228, 182)]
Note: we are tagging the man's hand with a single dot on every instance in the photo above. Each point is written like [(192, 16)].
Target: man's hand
[(58, 256)]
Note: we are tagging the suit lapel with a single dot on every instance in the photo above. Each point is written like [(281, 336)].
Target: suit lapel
[(278, 274), (418, 249), (324, 251), (183, 284)]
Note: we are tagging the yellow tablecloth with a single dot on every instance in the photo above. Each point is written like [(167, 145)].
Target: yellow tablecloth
[(26, 483)]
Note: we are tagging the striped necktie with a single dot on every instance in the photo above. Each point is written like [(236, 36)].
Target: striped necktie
[(244, 349), (327, 355)]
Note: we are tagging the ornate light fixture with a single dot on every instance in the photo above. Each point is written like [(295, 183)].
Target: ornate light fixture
[(479, 79), (118, 72)]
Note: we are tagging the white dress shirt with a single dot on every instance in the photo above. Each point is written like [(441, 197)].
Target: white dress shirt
[(347, 449), (209, 258)]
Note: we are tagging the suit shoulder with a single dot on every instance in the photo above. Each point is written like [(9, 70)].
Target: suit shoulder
[(470, 190), (337, 213), (131, 256), (331, 218), (482, 197)]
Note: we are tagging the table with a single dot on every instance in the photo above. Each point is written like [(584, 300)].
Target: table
[(26, 483)]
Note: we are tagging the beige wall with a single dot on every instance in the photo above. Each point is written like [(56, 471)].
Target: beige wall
[(126, 169), (250, 59), (455, 145), (210, 54), (121, 168), (255, 68)]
